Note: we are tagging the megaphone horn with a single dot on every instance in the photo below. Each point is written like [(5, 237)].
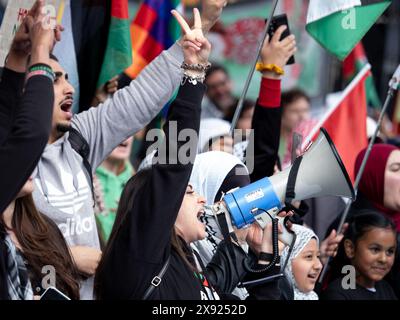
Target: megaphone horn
[(319, 172)]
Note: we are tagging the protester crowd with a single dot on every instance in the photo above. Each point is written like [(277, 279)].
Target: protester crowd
[(70, 197)]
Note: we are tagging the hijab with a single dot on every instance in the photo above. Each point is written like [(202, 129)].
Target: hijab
[(210, 170), (303, 237), (372, 183), (213, 173), (209, 129)]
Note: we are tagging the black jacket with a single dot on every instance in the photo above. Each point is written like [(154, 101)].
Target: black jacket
[(25, 124), (143, 244), (266, 124)]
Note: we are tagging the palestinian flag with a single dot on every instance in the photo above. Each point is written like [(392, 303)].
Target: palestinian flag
[(352, 65), (338, 25), (153, 30), (346, 123), (118, 51)]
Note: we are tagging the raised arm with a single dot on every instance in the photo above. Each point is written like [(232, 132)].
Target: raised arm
[(144, 240), (13, 76), (23, 143), (133, 107), (267, 115)]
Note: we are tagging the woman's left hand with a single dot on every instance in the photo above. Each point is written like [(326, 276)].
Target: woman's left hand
[(196, 48)]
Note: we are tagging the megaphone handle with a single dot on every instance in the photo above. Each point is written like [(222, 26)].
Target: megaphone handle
[(286, 237), (263, 219)]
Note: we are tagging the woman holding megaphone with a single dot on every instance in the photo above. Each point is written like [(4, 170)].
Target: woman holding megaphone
[(148, 255), (215, 173)]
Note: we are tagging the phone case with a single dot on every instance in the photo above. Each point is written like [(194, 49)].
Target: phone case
[(277, 21)]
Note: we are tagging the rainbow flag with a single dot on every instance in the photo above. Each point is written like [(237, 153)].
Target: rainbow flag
[(118, 52), (153, 30)]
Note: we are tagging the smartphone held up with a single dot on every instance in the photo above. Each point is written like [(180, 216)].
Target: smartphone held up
[(277, 21)]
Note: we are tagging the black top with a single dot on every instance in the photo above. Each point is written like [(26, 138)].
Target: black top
[(25, 124), (267, 127), (143, 244), (335, 291)]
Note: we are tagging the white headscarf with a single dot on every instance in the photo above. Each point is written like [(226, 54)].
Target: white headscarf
[(303, 236), (211, 128), (210, 170)]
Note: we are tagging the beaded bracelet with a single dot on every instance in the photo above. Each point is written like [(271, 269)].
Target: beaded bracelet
[(196, 66), (40, 66), (40, 70)]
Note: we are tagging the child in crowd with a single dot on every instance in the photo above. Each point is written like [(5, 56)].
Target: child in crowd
[(304, 265), (369, 246)]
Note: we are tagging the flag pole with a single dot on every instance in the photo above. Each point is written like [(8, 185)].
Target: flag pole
[(393, 87), (253, 67)]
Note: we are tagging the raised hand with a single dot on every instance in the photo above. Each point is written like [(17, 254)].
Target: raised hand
[(211, 11), (21, 45), (196, 48), (103, 92), (42, 35), (278, 52)]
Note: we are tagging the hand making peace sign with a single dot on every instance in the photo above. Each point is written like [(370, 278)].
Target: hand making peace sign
[(196, 48)]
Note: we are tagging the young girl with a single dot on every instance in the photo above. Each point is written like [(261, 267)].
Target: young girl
[(369, 246), (304, 266)]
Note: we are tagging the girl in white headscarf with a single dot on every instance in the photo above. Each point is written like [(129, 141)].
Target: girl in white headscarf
[(304, 266)]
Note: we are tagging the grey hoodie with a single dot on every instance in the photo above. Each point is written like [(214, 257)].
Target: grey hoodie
[(62, 190)]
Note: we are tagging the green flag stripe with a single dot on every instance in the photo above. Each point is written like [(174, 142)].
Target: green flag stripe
[(118, 54), (331, 31)]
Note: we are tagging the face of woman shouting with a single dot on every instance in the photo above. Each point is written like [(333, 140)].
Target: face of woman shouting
[(188, 224)]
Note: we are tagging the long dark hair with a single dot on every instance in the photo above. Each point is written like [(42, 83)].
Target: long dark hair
[(360, 223), (43, 244), (126, 202)]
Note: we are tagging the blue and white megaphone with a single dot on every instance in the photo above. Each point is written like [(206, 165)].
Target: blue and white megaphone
[(320, 172)]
